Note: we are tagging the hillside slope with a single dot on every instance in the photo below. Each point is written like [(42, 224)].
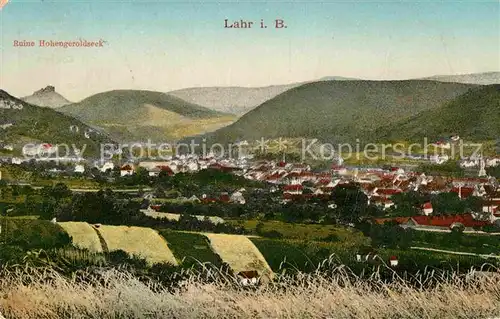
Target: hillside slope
[(47, 97), (131, 115), (339, 111), (22, 123), (475, 115)]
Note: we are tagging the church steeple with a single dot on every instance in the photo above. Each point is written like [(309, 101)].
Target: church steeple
[(482, 166)]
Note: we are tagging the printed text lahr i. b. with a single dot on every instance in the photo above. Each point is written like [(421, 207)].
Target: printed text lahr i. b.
[(246, 24)]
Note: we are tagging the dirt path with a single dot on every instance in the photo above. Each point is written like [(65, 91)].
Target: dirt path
[(456, 252)]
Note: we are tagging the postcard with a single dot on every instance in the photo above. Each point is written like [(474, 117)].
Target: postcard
[(249, 159)]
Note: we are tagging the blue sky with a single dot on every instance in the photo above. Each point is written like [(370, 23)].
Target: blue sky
[(164, 45)]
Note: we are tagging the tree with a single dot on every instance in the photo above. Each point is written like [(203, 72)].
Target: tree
[(60, 191), (447, 203), (408, 203), (493, 171), (351, 203), (159, 192)]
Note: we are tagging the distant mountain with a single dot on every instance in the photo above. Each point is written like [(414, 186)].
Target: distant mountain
[(474, 115), (130, 115), (47, 97), (473, 78), (22, 123), (234, 100), (238, 100), (339, 111), (337, 78)]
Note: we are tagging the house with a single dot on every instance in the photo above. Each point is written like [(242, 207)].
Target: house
[(6, 125), (385, 192), (330, 186), (393, 261), (154, 172), (47, 149), (463, 191), (445, 223), (107, 166), (148, 196), (318, 191), (397, 220), (79, 169), (339, 170), (166, 169), (380, 201), (16, 161), (224, 197), (237, 197), (248, 278), (427, 209), (126, 170), (294, 189), (442, 144), (192, 166)]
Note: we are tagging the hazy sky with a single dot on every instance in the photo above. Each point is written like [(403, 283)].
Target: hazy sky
[(165, 45)]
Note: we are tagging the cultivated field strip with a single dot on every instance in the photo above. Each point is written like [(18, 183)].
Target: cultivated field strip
[(84, 235), (239, 253), (176, 217), (138, 241)]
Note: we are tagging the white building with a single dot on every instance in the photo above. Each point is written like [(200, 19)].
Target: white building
[(106, 166), (237, 197), (79, 169)]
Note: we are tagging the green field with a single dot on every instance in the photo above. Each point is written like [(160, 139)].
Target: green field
[(313, 232), (190, 248), (472, 243), (306, 256)]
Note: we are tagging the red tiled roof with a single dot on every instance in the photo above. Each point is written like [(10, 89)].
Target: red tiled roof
[(399, 220), (446, 221), (427, 205), (337, 167), (323, 181), (463, 192), (292, 187), (273, 176), (388, 191)]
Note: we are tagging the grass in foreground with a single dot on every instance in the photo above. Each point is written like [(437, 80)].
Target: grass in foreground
[(337, 294)]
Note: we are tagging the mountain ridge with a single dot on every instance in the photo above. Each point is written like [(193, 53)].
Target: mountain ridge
[(340, 111), (454, 117)]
